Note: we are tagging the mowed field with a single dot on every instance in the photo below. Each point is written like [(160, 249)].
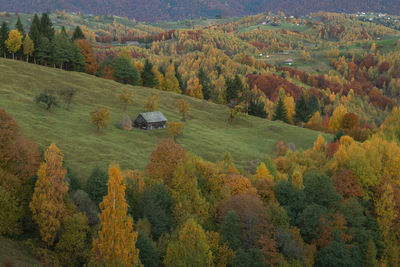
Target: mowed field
[(207, 132)]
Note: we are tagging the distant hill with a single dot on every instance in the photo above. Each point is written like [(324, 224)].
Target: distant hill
[(154, 10), (207, 132)]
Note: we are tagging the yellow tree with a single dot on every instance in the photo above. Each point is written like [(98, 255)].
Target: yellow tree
[(100, 117), (47, 205), (152, 102), (29, 47), (183, 108), (192, 248), (116, 241), (263, 173), (290, 106), (175, 129), (194, 88), (125, 98), (237, 111), (171, 83), (336, 119), (320, 144), (14, 41)]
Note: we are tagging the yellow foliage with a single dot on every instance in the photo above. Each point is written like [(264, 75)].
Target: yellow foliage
[(194, 88), (320, 145), (116, 241), (175, 129), (152, 102), (14, 41), (100, 117), (336, 119), (183, 108)]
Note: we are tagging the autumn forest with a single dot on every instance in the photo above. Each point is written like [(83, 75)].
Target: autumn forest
[(318, 95)]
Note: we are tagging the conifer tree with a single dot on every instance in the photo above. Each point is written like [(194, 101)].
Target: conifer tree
[(124, 71), (116, 242), (46, 27), (313, 104), (302, 111), (205, 83), (4, 31), (230, 230), (280, 112), (78, 34), (233, 88), (47, 205), (61, 50), (147, 251), (34, 33), (20, 27), (147, 75), (42, 53)]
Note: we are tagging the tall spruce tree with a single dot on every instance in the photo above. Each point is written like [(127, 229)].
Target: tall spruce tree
[(61, 50), (302, 111), (233, 88), (78, 34), (280, 112), (230, 230), (34, 33), (46, 26), (148, 77), (205, 83), (313, 104), (20, 27), (257, 108), (124, 71), (4, 31)]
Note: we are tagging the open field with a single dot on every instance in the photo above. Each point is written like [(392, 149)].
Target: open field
[(207, 133), (13, 254)]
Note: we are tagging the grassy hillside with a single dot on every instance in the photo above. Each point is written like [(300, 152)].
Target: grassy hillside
[(13, 254), (207, 132)]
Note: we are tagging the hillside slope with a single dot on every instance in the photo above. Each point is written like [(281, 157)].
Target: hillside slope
[(188, 9), (207, 133)]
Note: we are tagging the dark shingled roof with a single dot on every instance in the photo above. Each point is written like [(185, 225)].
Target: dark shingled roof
[(155, 116)]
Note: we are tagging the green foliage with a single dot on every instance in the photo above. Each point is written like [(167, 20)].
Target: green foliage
[(319, 189), (85, 205), (280, 112), (205, 83), (11, 215), (370, 255), (230, 230), (310, 222), (233, 88), (148, 77), (20, 27), (148, 254), (125, 72), (4, 31), (155, 205), (46, 26), (252, 258), (335, 254), (302, 110), (291, 198), (96, 185), (313, 104), (257, 108), (47, 98), (73, 247), (78, 34)]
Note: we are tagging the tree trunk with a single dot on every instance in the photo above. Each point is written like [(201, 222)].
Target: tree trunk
[(27, 58), (13, 56)]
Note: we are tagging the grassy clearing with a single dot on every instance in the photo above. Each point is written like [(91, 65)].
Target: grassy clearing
[(13, 254), (207, 133)]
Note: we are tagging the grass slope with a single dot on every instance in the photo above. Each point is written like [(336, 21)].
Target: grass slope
[(14, 254), (207, 132)]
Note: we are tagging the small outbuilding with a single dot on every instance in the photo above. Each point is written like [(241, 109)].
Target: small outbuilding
[(150, 120)]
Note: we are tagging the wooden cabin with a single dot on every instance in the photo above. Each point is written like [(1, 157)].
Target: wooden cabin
[(150, 120)]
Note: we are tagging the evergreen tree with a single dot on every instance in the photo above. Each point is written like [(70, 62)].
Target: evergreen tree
[(42, 53), (252, 258), (4, 31), (148, 254), (96, 185), (230, 230), (370, 255), (124, 71), (257, 108), (77, 62), (302, 111), (34, 34), (335, 254), (61, 50), (313, 104), (280, 112), (78, 34), (147, 75), (46, 27), (20, 27), (205, 83), (233, 88), (64, 31)]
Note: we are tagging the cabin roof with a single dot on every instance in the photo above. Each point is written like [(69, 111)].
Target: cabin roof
[(155, 116)]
